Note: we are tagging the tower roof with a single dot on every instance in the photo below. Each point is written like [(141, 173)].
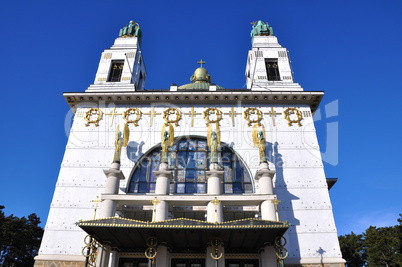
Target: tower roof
[(200, 79)]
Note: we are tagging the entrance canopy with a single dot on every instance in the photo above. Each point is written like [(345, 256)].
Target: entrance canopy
[(247, 235)]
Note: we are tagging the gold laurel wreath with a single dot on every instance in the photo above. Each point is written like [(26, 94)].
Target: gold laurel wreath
[(132, 111), (289, 111), (248, 112), (93, 111), (210, 111), (169, 111)]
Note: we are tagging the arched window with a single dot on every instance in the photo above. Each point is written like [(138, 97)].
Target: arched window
[(188, 160)]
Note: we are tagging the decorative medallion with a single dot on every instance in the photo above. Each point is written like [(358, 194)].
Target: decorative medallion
[(168, 112), (293, 111), (209, 113), (89, 116), (132, 111), (248, 114)]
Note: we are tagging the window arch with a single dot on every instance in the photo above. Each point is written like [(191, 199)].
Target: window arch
[(188, 160)]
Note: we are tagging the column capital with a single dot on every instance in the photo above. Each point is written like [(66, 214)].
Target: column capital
[(261, 173), (114, 173), (163, 173), (214, 173)]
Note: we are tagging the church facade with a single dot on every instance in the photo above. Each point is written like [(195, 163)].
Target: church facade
[(193, 175)]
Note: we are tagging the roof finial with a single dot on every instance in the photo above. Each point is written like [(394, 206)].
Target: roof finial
[(201, 62)]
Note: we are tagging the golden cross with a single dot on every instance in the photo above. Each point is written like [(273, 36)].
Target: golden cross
[(97, 200), (192, 114), (113, 114), (232, 113), (155, 202), (201, 62), (272, 113), (275, 201), (216, 202), (152, 114)]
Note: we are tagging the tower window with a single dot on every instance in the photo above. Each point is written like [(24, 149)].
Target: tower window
[(272, 69), (116, 70)]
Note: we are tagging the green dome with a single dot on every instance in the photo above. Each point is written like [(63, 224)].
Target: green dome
[(199, 80)]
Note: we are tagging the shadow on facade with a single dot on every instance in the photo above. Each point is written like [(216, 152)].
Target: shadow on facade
[(285, 208), (134, 150)]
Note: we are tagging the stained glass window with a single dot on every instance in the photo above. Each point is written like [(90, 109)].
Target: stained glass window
[(188, 160)]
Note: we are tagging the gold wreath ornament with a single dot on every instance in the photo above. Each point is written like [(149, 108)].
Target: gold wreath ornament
[(290, 111), (169, 111), (91, 112), (132, 111), (210, 111), (251, 111)]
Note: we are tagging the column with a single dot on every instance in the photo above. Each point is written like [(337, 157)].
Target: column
[(162, 187), (209, 261), (268, 257), (160, 212), (264, 175), (214, 179), (114, 175), (114, 258), (103, 253), (215, 211), (162, 256), (163, 177)]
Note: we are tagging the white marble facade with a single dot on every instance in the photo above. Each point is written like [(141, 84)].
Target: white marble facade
[(292, 150)]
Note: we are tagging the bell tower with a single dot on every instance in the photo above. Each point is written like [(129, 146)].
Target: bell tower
[(121, 67), (268, 65)]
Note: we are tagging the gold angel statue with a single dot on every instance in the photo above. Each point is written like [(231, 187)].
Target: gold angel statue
[(167, 138), (260, 141), (121, 141), (214, 141)]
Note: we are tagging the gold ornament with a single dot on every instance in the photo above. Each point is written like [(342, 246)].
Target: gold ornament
[(121, 141), (90, 250), (290, 111), (216, 244), (93, 112), (132, 111), (281, 252), (169, 111), (214, 111), (250, 111)]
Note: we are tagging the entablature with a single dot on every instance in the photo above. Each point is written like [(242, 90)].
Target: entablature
[(229, 97)]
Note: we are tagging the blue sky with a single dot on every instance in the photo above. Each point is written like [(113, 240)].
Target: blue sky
[(349, 49)]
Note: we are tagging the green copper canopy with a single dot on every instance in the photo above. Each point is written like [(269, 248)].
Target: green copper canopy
[(200, 79)]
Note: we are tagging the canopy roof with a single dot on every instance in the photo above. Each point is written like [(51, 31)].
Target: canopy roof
[(246, 235)]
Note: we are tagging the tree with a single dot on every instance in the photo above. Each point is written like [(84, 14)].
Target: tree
[(20, 239), (352, 249), (382, 246)]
